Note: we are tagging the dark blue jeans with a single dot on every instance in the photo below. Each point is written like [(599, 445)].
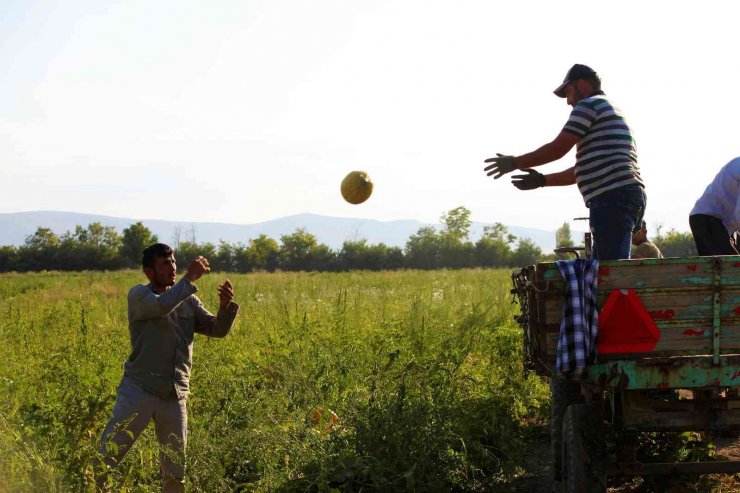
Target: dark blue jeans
[(614, 216)]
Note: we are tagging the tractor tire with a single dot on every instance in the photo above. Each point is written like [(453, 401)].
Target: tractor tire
[(563, 393), (584, 450)]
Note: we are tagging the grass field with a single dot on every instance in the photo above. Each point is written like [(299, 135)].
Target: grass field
[(422, 370)]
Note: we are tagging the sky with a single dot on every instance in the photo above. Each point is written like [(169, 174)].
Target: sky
[(246, 111)]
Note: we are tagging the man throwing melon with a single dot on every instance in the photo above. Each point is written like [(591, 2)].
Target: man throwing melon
[(607, 176), (605, 171)]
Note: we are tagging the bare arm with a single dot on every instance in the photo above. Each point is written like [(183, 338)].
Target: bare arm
[(562, 178), (552, 151)]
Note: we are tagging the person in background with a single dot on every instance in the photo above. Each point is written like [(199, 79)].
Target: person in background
[(163, 316), (644, 248), (715, 218)]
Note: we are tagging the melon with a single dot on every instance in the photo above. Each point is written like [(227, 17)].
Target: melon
[(356, 187)]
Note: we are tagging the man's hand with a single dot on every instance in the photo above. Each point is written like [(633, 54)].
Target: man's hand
[(501, 165), (225, 294), (533, 179), (197, 268)]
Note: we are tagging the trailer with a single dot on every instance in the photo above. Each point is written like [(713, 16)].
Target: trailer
[(664, 325)]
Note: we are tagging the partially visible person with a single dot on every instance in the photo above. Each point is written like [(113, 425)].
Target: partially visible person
[(715, 218), (163, 317), (644, 248)]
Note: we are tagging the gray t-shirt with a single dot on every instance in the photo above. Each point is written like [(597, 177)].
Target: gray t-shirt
[(162, 327)]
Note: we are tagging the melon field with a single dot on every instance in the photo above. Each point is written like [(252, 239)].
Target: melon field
[(392, 381), (360, 381)]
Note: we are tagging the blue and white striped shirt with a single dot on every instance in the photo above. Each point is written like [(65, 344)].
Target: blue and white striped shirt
[(606, 156)]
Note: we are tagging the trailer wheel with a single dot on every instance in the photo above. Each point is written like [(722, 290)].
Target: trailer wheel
[(584, 450), (563, 393)]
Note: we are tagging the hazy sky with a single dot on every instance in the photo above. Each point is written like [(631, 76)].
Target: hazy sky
[(245, 111)]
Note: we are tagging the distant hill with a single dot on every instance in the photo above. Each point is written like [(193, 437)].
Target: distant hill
[(332, 231)]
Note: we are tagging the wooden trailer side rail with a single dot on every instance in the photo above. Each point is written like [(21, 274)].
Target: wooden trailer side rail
[(694, 302)]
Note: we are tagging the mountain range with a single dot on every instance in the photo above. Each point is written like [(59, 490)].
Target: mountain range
[(332, 231)]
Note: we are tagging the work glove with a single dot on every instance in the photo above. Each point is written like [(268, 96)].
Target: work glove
[(533, 179), (501, 165)]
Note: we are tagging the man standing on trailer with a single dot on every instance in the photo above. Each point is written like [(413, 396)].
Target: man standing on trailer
[(605, 171), (609, 180)]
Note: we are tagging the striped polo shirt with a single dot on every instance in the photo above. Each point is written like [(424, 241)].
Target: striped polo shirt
[(606, 156)]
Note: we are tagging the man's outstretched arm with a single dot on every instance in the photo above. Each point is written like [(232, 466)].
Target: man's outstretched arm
[(562, 178), (532, 179), (552, 151)]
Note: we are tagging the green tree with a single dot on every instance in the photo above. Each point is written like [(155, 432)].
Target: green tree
[(262, 253), (135, 239), (8, 258), (358, 255), (563, 236), (225, 259), (294, 249), (455, 250), (97, 235), (493, 249), (563, 239), (41, 239), (675, 243), (240, 258), (423, 249), (457, 255), (322, 258), (189, 251), (39, 251), (456, 224), (392, 257), (94, 247), (526, 253), (300, 251), (354, 255)]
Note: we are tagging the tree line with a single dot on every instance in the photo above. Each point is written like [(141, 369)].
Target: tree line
[(99, 247)]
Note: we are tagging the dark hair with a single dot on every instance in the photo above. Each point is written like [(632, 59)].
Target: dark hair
[(594, 82), (152, 252)]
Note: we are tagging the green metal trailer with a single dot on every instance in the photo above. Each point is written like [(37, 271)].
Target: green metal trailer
[(679, 320)]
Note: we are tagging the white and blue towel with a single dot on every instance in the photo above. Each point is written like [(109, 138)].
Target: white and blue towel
[(580, 324)]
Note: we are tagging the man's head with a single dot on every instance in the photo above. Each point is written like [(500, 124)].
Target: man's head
[(640, 236), (580, 82), (159, 265)]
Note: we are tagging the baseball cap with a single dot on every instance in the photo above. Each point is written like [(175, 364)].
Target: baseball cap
[(576, 72)]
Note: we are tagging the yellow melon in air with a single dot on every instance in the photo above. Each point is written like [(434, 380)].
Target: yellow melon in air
[(356, 187)]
